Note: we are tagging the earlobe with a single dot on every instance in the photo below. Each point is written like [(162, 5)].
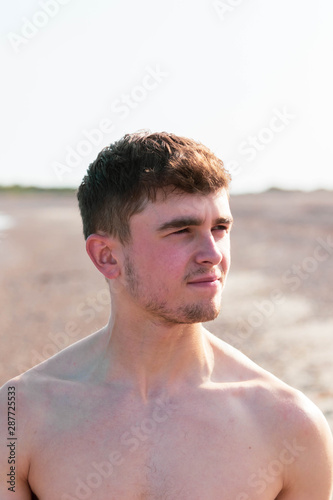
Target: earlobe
[(101, 250)]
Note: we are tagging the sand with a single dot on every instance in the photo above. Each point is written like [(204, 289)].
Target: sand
[(277, 305)]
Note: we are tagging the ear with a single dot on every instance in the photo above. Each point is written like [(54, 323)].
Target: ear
[(101, 249)]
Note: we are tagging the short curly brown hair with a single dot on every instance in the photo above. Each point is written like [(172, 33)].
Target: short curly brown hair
[(128, 173)]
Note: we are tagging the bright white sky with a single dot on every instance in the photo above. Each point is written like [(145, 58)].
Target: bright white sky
[(224, 73)]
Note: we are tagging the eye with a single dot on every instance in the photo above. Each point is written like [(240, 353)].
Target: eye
[(181, 231), (220, 228)]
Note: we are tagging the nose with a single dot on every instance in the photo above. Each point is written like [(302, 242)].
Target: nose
[(208, 251)]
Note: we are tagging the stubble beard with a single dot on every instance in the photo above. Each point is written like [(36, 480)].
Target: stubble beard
[(197, 312)]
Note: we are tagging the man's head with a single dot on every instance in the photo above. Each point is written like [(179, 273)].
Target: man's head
[(130, 172), (157, 220)]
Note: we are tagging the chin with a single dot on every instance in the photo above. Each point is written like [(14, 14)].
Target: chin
[(199, 314)]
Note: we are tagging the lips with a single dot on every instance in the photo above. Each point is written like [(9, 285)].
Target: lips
[(205, 279)]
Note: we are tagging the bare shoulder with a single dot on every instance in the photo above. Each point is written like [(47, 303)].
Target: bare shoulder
[(65, 370), (30, 401), (285, 406), (290, 422)]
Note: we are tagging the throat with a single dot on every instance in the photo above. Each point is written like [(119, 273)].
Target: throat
[(154, 362)]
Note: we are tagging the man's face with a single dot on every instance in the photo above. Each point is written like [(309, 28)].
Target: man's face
[(179, 256)]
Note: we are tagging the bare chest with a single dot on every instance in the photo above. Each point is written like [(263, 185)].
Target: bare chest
[(163, 452)]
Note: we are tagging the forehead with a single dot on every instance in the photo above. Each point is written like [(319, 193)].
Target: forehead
[(206, 207)]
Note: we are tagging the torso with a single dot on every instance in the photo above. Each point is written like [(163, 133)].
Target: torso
[(89, 440)]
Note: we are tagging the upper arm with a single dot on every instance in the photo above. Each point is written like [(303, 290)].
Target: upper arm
[(311, 474), (13, 463)]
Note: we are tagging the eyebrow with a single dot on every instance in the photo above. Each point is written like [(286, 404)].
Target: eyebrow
[(180, 222)]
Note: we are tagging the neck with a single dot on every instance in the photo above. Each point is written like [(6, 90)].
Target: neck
[(156, 357)]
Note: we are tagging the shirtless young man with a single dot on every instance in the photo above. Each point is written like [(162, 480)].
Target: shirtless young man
[(153, 406)]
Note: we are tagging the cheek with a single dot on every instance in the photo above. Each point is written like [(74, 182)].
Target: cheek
[(167, 263), (225, 251), (149, 260), (226, 264)]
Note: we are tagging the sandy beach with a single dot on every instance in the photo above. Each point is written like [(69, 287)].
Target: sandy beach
[(277, 305)]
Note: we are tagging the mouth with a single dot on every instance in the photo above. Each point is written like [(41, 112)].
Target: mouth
[(206, 281)]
